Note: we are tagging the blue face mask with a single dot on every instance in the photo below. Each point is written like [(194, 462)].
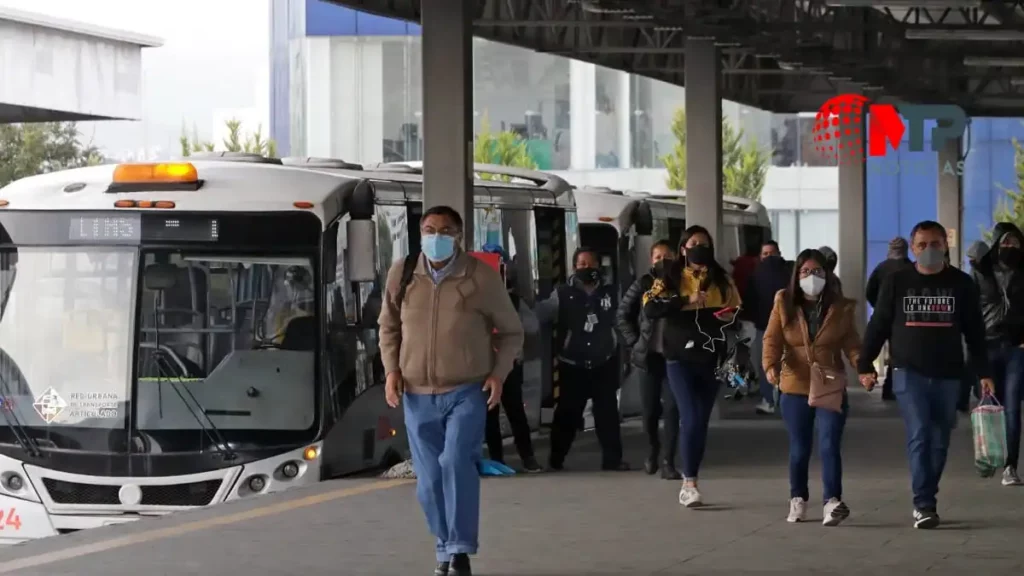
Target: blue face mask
[(437, 247)]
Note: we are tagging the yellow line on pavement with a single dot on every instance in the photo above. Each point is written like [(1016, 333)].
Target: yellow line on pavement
[(195, 526)]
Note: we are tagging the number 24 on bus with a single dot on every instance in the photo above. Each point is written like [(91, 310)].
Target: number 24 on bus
[(10, 519)]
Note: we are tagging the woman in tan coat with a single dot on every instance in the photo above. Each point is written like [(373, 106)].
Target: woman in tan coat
[(811, 320)]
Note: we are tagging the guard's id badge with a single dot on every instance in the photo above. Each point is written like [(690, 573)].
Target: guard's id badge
[(591, 322)]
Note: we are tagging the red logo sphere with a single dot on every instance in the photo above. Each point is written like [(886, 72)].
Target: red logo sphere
[(837, 128)]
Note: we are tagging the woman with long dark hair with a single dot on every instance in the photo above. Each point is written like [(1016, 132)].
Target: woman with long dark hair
[(811, 322), (697, 299)]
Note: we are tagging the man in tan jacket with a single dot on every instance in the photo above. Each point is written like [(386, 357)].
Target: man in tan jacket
[(448, 338)]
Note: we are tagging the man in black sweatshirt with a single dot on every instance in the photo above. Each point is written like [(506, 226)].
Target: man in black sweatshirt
[(926, 312)]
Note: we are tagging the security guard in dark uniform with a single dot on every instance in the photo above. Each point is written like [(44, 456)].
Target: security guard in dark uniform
[(584, 310)]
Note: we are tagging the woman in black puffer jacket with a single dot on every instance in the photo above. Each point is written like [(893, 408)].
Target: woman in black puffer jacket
[(643, 336)]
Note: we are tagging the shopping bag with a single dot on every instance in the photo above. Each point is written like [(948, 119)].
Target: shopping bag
[(988, 421)]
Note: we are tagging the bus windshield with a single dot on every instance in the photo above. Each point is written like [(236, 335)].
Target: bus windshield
[(226, 348), (65, 340)]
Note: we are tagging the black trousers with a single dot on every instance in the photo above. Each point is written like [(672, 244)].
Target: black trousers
[(659, 404), (512, 403), (599, 384)]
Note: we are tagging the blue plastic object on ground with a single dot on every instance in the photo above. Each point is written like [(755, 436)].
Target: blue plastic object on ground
[(494, 468)]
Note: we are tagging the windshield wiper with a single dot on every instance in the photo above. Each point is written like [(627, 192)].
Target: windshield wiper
[(25, 440), (213, 433)]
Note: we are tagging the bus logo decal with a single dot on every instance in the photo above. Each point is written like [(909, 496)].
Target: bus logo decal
[(49, 405)]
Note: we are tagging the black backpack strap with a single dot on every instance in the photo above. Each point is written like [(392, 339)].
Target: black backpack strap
[(408, 269)]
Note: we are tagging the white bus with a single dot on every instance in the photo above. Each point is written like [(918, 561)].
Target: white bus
[(621, 227), (181, 334)]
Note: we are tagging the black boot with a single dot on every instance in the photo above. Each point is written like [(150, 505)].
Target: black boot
[(442, 569), (651, 464), (459, 566), (669, 472)]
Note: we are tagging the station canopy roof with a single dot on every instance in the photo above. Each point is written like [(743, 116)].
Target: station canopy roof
[(782, 55)]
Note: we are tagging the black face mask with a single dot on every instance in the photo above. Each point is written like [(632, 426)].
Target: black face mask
[(700, 255), (661, 267), (1009, 255), (589, 275)]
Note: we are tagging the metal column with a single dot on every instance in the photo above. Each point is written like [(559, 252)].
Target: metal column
[(448, 107), (703, 136), (853, 247), (950, 200)]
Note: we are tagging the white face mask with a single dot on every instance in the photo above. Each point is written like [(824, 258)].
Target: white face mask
[(812, 285)]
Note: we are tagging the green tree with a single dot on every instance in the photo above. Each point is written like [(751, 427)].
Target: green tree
[(1011, 207), (236, 141), (29, 149), (744, 164), (503, 148)]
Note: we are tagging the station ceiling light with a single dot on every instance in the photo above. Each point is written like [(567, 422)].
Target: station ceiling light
[(994, 62), (926, 4), (966, 34)]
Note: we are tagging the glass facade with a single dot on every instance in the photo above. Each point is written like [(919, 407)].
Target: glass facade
[(401, 68)]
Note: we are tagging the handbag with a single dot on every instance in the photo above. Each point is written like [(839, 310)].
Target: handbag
[(828, 386)]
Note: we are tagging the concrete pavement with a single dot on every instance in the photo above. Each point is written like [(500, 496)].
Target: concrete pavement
[(584, 522)]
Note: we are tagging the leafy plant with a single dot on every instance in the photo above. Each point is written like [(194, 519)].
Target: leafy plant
[(504, 148), (744, 164), (30, 149), (235, 141), (1011, 207)]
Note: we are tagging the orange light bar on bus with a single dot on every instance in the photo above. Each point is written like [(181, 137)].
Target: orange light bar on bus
[(4, 203), (168, 172), (606, 219), (310, 453), (143, 204), (303, 205)]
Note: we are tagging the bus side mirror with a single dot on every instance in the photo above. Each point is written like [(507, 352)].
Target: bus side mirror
[(360, 250)]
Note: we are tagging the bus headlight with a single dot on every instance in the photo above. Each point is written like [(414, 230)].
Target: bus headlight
[(257, 483), (14, 482), (290, 470)]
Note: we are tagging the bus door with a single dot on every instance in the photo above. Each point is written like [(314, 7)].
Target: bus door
[(554, 236)]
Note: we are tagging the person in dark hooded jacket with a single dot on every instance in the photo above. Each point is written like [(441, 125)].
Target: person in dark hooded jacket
[(831, 261), (771, 275), (1000, 277), (643, 337)]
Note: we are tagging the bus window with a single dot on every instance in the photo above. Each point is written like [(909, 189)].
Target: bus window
[(552, 249), (393, 240), (486, 227), (572, 237), (604, 238), (676, 227), (752, 237), (730, 240), (660, 231), (519, 247)]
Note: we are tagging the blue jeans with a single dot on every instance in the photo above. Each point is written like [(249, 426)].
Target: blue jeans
[(801, 421), (446, 435), (1008, 373), (695, 389), (928, 406)]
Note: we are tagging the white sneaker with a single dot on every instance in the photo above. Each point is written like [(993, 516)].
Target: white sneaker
[(835, 512), (1010, 477), (764, 407), (689, 496), (797, 510)]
